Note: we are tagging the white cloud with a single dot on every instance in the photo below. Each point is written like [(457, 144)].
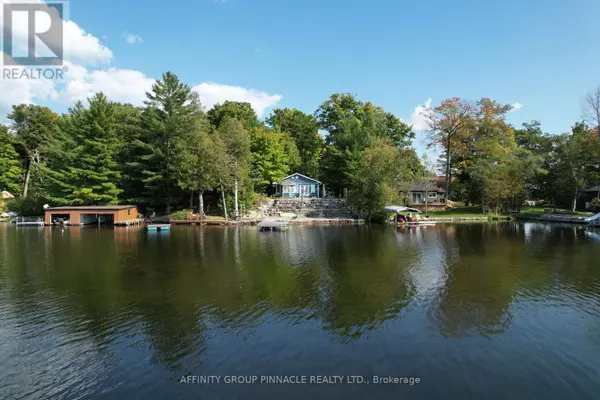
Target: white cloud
[(86, 53), (84, 48), (123, 85), (132, 38), (23, 91), (516, 106), (418, 119), (212, 93)]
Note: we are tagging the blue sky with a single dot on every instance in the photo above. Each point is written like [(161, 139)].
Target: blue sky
[(398, 54)]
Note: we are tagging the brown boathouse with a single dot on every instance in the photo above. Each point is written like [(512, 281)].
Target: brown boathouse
[(84, 215)]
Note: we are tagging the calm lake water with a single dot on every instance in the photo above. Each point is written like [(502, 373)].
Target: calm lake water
[(495, 311)]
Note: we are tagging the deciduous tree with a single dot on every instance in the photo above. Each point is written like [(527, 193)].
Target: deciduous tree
[(304, 129), (11, 171), (450, 125), (35, 129)]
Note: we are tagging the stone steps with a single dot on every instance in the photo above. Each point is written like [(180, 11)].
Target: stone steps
[(310, 208)]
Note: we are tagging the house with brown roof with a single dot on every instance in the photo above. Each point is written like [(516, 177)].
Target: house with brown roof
[(431, 192)]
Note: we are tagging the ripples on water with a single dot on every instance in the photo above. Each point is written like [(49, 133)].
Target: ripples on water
[(489, 310)]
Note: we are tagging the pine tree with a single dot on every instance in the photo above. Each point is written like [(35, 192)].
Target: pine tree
[(168, 116), (92, 173)]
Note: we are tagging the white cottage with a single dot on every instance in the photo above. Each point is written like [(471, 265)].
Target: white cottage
[(298, 185)]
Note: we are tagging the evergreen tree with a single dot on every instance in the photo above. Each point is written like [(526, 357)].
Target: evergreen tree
[(169, 114), (129, 136), (92, 175)]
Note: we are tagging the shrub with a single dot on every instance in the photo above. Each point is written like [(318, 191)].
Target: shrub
[(180, 215), (596, 204), (32, 206)]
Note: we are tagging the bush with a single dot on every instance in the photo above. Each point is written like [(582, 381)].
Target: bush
[(259, 199), (180, 215), (32, 206), (596, 204), (245, 201)]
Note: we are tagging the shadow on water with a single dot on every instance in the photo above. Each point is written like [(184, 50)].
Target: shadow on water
[(124, 311)]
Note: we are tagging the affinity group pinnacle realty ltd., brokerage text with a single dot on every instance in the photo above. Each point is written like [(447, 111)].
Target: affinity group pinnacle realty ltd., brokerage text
[(299, 379)]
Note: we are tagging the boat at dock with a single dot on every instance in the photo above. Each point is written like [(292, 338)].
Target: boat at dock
[(416, 223)]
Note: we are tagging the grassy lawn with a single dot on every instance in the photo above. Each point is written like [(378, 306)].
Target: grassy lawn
[(457, 212), (541, 210), (475, 211)]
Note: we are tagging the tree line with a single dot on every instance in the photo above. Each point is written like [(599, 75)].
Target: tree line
[(170, 152), (489, 162)]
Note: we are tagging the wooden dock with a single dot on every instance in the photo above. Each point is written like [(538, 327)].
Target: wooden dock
[(199, 222), (130, 222), (31, 223)]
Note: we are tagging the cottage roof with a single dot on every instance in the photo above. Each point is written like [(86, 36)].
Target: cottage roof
[(435, 184), (297, 174)]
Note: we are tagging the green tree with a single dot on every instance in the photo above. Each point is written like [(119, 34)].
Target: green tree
[(92, 174), (372, 120), (241, 111), (196, 170), (539, 146), (11, 171), (381, 176), (575, 165), (35, 130), (450, 126), (499, 170), (236, 141), (304, 129), (169, 113), (129, 135), (274, 155)]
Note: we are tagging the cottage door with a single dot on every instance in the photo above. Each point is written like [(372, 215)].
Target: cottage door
[(304, 189)]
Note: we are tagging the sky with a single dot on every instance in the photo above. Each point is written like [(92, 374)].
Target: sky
[(539, 55)]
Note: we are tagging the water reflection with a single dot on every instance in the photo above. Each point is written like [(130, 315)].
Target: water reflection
[(133, 308)]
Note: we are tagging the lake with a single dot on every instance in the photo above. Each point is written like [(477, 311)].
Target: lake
[(495, 311)]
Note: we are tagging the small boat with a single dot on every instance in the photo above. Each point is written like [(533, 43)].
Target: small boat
[(273, 225), (418, 222)]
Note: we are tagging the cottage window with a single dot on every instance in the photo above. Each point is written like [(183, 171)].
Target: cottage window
[(433, 195)]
